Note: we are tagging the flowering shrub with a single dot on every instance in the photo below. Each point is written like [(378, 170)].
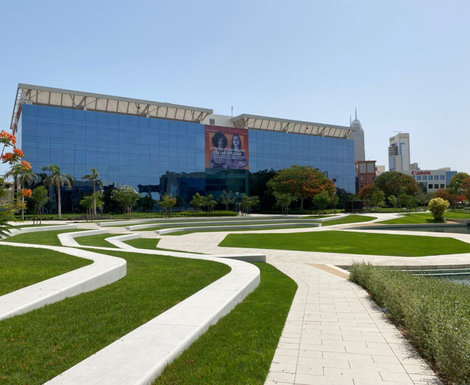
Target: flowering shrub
[(438, 207)]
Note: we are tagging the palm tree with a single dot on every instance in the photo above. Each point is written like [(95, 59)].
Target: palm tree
[(22, 174), (93, 177), (57, 180)]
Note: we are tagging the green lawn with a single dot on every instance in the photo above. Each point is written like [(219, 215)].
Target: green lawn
[(40, 237), (240, 347), (348, 219), (424, 218), (21, 267), (144, 243), (350, 243), (43, 343), (95, 240)]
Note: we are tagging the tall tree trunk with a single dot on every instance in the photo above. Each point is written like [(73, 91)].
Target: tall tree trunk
[(59, 207), (94, 199)]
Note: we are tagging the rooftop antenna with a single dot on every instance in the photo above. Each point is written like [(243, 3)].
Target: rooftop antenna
[(350, 120), (355, 116), (232, 111)]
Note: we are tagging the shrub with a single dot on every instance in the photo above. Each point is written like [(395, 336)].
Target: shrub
[(434, 312), (438, 207)]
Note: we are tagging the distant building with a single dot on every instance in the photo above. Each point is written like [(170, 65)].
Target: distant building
[(358, 137), (444, 169), (399, 153), (414, 167), (431, 180), (365, 172), (379, 170)]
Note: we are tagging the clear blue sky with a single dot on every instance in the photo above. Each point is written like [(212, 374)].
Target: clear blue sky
[(405, 64)]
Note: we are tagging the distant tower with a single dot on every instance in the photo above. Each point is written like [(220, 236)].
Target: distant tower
[(358, 137), (399, 153)]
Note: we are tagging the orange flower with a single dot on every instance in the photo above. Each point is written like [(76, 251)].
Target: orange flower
[(7, 139), (26, 192), (7, 157), (26, 165), (18, 152)]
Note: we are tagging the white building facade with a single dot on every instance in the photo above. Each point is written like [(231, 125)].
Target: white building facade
[(431, 180), (399, 153)]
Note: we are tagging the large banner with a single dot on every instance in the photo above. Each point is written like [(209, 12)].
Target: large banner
[(227, 148)]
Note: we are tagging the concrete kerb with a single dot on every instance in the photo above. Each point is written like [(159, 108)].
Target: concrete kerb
[(234, 227), (119, 241), (67, 239), (20, 230), (140, 356), (102, 272)]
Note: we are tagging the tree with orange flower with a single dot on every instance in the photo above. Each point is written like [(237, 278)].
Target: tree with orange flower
[(22, 174), (8, 208), (303, 182)]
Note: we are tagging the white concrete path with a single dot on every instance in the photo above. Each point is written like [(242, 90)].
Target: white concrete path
[(104, 270)]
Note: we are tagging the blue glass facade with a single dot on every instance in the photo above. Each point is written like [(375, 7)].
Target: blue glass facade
[(164, 155)]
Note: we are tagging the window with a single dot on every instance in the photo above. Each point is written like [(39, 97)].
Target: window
[(442, 185), (425, 177), (430, 186), (436, 186), (442, 177), (418, 177), (436, 177)]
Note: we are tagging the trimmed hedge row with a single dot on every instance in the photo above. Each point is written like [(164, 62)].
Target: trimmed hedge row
[(434, 312), (76, 217)]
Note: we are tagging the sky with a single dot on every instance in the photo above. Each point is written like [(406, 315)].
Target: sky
[(404, 64)]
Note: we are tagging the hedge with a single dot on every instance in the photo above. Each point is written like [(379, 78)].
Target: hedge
[(434, 312)]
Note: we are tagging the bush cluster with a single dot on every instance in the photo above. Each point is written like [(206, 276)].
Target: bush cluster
[(434, 312)]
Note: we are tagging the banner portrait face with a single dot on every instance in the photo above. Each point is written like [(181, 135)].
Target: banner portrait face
[(226, 148)]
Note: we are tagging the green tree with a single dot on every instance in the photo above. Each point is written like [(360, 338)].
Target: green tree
[(225, 199), (455, 188), (88, 202), (393, 200), (396, 183), (40, 198), (167, 202), (197, 201), (58, 180), (126, 196), (249, 202), (366, 194), (22, 174), (93, 177), (466, 187), (301, 181), (438, 207), (378, 198), (322, 200), (408, 201), (284, 201), (146, 203)]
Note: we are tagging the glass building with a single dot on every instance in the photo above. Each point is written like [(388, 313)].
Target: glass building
[(165, 148)]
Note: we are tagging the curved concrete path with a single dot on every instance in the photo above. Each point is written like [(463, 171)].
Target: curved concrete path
[(334, 334), (141, 355), (102, 272)]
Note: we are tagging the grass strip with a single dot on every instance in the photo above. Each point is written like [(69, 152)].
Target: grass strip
[(350, 243), (235, 230), (95, 240), (144, 243), (21, 267), (40, 237), (434, 312), (41, 344), (348, 219), (425, 218), (240, 347)]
